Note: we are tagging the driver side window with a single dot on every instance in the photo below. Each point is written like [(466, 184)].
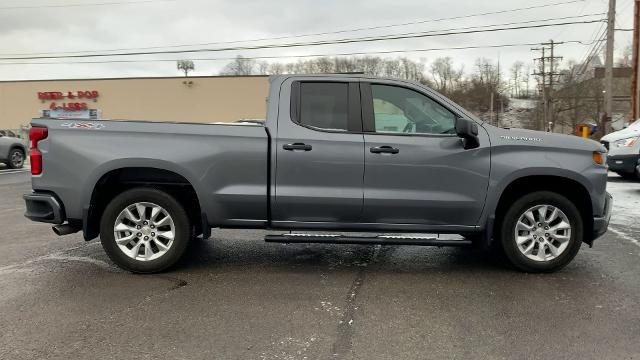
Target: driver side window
[(400, 110)]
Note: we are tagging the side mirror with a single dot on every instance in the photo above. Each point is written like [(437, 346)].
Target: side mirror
[(468, 131)]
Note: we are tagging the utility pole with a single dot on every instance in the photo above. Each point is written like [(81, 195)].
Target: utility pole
[(547, 81), (502, 111), (635, 62), (550, 118), (608, 70), (542, 72), (491, 109), (487, 69), (499, 94)]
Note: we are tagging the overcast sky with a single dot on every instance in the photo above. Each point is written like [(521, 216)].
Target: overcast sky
[(43, 28)]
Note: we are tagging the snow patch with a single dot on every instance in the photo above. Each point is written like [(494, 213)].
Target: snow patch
[(289, 348), (625, 236)]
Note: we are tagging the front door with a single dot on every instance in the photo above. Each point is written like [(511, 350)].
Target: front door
[(319, 155), (416, 169)]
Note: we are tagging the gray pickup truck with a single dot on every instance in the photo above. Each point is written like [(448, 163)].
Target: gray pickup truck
[(337, 157)]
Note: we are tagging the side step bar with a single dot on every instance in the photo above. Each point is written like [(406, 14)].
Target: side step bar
[(364, 240)]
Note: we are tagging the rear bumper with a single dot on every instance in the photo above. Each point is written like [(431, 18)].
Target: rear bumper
[(601, 223), (44, 207), (623, 163)]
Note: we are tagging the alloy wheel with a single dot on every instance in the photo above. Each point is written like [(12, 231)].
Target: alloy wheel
[(17, 159), (542, 233), (144, 231)]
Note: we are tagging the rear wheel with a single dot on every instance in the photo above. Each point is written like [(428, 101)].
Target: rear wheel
[(16, 159), (144, 230), (541, 232)]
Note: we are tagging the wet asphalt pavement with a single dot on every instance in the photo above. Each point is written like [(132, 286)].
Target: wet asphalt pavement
[(236, 297)]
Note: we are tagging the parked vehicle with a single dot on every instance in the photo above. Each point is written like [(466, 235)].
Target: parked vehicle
[(323, 162), (624, 151), (12, 152)]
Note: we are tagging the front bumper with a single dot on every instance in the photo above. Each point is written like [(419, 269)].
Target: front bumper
[(44, 207), (601, 223), (623, 163)]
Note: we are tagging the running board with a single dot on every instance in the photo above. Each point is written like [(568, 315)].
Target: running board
[(363, 240)]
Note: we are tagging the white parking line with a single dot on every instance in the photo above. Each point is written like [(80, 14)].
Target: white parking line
[(625, 236), (14, 171), (62, 255)]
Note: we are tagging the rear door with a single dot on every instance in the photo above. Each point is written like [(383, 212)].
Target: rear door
[(319, 154), (416, 169)]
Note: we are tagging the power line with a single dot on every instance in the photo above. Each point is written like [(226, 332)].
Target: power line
[(367, 37), (316, 43), (597, 41), (561, 31), (82, 5), (330, 32), (297, 56), (587, 56), (594, 52)]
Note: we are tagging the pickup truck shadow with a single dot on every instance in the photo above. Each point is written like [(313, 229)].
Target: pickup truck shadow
[(215, 255), (615, 178), (619, 179)]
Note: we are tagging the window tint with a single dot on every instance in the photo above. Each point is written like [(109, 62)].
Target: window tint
[(324, 105), (401, 110)]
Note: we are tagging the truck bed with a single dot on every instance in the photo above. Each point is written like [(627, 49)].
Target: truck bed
[(227, 164)]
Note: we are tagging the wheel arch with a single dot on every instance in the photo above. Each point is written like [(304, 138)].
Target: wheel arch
[(118, 179), (569, 187), (18, 146)]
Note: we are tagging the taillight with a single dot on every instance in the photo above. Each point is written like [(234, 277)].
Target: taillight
[(36, 134)]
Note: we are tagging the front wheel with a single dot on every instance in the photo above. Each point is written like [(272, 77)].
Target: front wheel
[(541, 232), (144, 230)]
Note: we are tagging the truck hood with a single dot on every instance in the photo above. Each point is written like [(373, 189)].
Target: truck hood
[(523, 137)]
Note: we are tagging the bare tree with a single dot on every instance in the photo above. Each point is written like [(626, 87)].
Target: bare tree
[(472, 91), (263, 68), (625, 59), (446, 79), (276, 69), (186, 66), (516, 77), (239, 66), (526, 80)]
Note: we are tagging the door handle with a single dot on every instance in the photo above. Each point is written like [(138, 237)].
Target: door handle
[(384, 150), (297, 146)]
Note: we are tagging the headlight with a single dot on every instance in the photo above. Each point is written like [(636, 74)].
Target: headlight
[(628, 142)]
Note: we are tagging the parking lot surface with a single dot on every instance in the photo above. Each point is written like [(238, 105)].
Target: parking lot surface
[(236, 297)]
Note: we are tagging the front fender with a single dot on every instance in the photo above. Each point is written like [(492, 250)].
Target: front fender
[(511, 162)]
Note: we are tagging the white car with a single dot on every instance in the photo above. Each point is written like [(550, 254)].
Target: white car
[(624, 151)]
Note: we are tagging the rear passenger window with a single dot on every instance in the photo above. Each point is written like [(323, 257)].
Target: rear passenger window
[(324, 105)]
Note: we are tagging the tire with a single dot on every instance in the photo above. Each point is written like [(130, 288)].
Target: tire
[(150, 248), (530, 240), (16, 159), (628, 176)]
